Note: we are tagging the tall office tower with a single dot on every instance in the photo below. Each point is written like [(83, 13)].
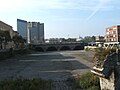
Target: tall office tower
[(22, 28), (36, 32), (41, 33), (33, 32)]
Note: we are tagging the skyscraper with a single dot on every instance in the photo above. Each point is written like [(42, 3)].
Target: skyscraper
[(33, 32), (41, 33), (22, 28), (36, 32)]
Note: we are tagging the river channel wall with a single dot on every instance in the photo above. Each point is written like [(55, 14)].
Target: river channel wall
[(7, 53)]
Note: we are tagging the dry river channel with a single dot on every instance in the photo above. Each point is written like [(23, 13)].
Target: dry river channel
[(57, 66)]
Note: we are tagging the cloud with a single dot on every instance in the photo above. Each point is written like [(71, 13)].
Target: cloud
[(101, 5), (32, 5), (71, 4), (48, 4)]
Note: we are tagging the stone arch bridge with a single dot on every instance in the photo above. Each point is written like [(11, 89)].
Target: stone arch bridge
[(57, 47)]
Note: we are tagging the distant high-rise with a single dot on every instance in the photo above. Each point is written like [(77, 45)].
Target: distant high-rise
[(33, 32), (22, 28), (41, 33), (36, 32)]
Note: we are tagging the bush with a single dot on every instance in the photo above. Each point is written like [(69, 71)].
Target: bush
[(88, 81), (10, 53), (19, 84), (5, 55), (94, 88), (101, 54)]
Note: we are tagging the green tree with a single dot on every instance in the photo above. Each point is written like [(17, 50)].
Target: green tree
[(88, 39), (4, 37), (18, 40)]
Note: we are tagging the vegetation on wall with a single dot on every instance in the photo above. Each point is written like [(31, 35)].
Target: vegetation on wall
[(19, 41), (88, 81), (101, 54), (4, 37)]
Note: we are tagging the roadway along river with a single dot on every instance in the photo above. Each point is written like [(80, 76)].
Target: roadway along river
[(50, 65)]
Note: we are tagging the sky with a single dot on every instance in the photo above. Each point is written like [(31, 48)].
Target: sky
[(63, 18)]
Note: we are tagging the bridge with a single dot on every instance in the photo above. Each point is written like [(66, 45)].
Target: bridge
[(57, 47)]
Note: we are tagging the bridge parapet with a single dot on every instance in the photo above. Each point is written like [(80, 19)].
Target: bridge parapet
[(57, 47)]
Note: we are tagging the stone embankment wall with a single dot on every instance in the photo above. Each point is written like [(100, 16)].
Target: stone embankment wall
[(109, 72), (107, 84)]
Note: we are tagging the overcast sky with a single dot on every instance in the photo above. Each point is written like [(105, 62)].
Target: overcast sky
[(63, 18)]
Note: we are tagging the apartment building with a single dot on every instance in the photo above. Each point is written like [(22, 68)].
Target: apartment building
[(112, 35), (99, 40), (6, 27)]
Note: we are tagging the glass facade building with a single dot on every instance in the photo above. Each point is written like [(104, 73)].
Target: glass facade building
[(22, 28), (33, 32), (36, 32)]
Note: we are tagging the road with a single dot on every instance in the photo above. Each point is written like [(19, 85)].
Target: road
[(49, 65)]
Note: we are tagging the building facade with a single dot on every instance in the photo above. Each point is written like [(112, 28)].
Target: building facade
[(112, 35)]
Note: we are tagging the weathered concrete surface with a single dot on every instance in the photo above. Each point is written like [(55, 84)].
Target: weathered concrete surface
[(49, 65)]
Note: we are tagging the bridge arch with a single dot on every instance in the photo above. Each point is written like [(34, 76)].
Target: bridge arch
[(52, 48), (40, 49), (65, 48), (78, 47)]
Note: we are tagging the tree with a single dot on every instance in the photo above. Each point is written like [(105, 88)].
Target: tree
[(93, 38), (4, 37), (18, 40), (88, 39), (1, 39)]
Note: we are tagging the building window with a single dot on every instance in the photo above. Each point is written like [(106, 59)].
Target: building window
[(114, 32), (112, 40), (114, 28), (115, 39), (107, 32), (114, 35)]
